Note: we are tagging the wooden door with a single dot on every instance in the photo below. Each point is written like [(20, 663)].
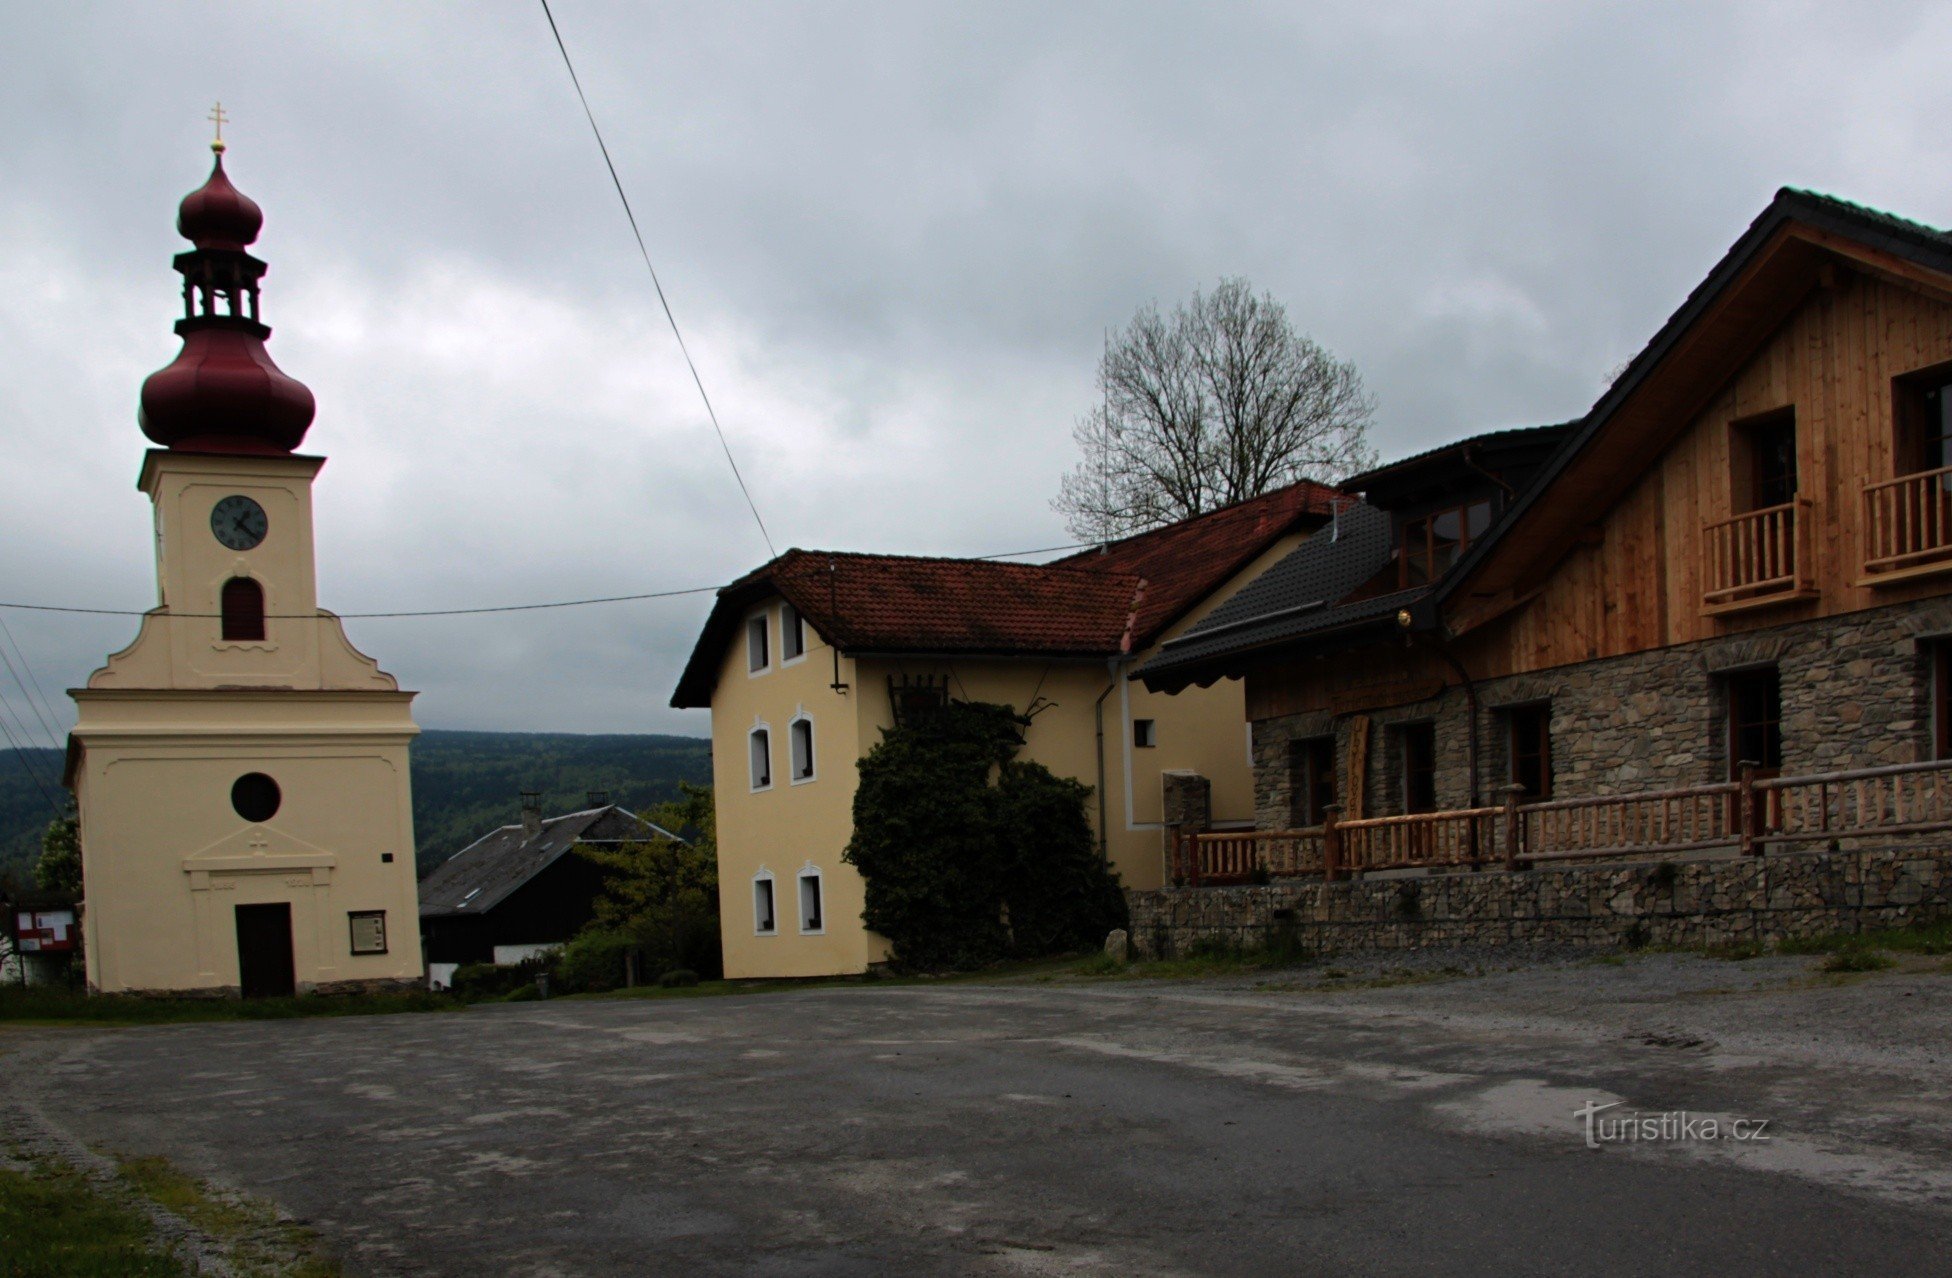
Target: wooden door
[(264, 960)]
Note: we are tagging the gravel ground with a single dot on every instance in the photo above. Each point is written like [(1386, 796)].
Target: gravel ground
[(1400, 1118)]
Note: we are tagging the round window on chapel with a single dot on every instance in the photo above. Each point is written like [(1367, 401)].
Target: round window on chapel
[(255, 796)]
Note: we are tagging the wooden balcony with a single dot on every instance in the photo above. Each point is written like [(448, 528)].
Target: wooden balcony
[(1908, 526), (1758, 558)]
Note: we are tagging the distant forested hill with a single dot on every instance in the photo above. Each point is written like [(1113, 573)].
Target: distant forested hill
[(24, 810), (464, 784)]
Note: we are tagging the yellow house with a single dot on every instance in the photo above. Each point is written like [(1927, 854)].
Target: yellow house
[(806, 660), (240, 769)]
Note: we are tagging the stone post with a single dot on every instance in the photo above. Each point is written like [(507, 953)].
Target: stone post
[(1745, 813), (1188, 811)]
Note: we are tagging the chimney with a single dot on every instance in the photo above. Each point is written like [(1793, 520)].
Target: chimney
[(597, 799), (531, 813)]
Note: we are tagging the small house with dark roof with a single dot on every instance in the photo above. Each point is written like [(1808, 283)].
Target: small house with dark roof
[(806, 659), (521, 889), (1737, 564)]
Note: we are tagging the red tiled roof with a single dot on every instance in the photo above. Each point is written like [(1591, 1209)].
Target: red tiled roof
[(1185, 562), (1099, 603), (891, 603)]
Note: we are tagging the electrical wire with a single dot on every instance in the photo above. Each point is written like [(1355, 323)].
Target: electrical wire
[(45, 720), (655, 282), (26, 764), (457, 612)]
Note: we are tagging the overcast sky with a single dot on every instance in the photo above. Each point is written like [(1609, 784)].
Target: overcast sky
[(895, 235)]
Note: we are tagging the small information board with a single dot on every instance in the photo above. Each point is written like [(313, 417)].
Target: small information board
[(368, 931), (45, 931)]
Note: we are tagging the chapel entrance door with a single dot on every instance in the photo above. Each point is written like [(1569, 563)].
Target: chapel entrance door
[(264, 959)]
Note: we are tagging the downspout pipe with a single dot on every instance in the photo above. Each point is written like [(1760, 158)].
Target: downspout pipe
[(1098, 716)]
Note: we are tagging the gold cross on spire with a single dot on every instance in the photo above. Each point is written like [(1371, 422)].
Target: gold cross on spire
[(217, 117)]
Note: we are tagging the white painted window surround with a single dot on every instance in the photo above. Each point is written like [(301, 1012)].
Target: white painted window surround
[(792, 635), (765, 904), (799, 740), (759, 756), (759, 657), (812, 901)]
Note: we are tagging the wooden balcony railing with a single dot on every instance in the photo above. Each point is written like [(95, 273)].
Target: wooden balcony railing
[(1908, 521), (1758, 557), (1751, 815)]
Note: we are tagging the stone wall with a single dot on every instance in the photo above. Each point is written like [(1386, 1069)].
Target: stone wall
[(1709, 902), (1855, 693)]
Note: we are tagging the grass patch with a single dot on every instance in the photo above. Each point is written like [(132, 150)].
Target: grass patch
[(1210, 957), (1740, 952), (48, 1005), (1921, 938), (1858, 959), (55, 1223), (256, 1240)]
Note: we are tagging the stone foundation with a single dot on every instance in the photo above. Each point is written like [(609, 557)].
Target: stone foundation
[(1855, 694), (1714, 902)]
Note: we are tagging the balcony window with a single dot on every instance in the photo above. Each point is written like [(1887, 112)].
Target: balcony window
[(1908, 518), (1429, 544), (1765, 461)]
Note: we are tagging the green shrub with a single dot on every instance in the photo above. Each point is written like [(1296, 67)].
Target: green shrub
[(487, 980), (970, 857), (679, 978), (592, 961), (1857, 958), (523, 994)]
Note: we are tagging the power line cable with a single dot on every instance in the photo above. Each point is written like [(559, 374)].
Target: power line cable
[(47, 727), (28, 666), (617, 182), (458, 612), (27, 765)]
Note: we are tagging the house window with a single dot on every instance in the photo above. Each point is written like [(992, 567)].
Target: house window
[(1531, 751), (1755, 721), (792, 634), (764, 922), (1311, 771), (1417, 743), (1430, 544), (1144, 733), (1765, 461), (799, 735), (812, 922), (243, 610), (1924, 405), (760, 745), (757, 656)]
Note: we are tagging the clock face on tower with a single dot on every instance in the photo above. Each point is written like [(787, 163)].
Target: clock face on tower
[(238, 522)]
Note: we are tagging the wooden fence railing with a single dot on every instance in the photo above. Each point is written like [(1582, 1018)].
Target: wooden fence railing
[(1758, 554), (1908, 520), (1750, 815)]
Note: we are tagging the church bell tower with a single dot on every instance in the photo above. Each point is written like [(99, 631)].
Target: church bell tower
[(240, 769)]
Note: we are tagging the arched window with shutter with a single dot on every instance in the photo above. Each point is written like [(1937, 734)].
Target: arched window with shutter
[(243, 609)]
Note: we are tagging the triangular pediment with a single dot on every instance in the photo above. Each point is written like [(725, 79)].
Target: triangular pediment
[(259, 847)]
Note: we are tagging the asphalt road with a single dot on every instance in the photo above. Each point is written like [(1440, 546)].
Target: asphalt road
[(1124, 1127)]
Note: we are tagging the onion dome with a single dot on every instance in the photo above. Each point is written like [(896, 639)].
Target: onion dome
[(217, 215), (223, 393)]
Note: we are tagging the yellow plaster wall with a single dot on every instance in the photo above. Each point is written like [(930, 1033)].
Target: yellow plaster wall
[(167, 726), (789, 826), (1202, 730)]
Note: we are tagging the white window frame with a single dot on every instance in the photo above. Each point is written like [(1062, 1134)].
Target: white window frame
[(800, 716), (759, 729), (1150, 737), (763, 620), (812, 872), (772, 899), (792, 633)]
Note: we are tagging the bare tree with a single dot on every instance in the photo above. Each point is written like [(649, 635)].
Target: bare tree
[(1220, 401)]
